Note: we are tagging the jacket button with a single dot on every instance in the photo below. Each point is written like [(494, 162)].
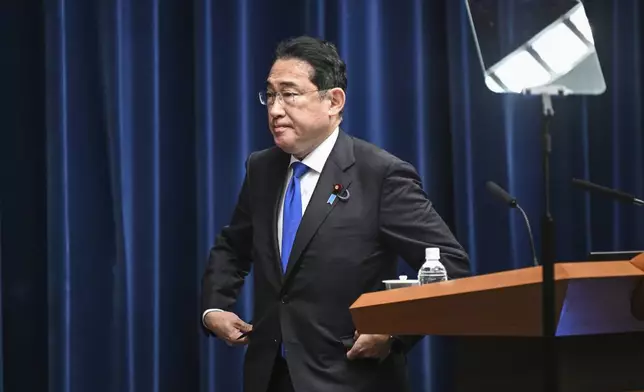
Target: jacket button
[(285, 299)]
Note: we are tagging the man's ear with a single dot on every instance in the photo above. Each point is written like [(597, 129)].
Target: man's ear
[(337, 97)]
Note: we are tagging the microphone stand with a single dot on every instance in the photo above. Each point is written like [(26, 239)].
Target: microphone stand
[(548, 256)]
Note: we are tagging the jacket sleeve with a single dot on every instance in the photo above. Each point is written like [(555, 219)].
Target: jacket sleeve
[(409, 223), (229, 260)]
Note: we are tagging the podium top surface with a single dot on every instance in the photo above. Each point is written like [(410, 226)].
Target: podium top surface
[(590, 298), (506, 279)]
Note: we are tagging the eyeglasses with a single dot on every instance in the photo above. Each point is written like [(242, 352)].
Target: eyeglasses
[(289, 98)]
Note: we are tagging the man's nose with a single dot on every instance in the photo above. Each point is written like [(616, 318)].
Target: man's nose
[(276, 109)]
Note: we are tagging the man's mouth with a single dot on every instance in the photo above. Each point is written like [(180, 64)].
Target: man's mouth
[(280, 128)]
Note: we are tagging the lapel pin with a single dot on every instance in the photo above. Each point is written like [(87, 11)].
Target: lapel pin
[(336, 189), (344, 195), (340, 192)]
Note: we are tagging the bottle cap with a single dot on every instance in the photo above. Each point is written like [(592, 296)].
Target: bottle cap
[(432, 253)]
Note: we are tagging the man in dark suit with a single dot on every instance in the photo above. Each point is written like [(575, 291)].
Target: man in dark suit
[(322, 218)]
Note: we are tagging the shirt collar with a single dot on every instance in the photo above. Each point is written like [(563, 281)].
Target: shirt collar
[(317, 158)]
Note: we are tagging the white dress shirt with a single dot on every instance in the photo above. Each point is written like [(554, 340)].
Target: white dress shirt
[(315, 161)]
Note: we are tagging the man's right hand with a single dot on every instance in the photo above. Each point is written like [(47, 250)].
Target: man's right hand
[(228, 327)]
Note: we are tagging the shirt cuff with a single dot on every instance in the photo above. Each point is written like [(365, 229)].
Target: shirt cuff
[(203, 316)]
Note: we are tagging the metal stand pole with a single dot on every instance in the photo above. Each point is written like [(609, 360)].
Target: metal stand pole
[(548, 256)]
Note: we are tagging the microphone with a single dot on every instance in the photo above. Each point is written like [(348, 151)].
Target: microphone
[(619, 195), (500, 193)]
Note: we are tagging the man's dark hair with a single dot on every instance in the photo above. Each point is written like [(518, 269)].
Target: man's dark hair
[(329, 71)]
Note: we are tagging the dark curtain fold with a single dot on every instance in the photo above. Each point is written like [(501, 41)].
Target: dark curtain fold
[(126, 125)]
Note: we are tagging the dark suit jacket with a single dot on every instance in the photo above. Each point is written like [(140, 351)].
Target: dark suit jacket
[(340, 251)]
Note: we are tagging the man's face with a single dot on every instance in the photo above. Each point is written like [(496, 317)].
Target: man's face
[(297, 116)]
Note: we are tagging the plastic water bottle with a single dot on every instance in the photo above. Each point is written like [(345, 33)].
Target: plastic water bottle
[(432, 269)]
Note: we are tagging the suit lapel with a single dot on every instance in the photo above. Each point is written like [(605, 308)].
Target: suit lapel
[(278, 172), (334, 172)]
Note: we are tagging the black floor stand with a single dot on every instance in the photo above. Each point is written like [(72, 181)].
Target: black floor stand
[(548, 259)]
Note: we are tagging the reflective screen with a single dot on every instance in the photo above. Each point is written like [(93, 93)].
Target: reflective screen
[(504, 25)]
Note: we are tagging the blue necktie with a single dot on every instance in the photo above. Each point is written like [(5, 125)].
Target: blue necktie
[(292, 211), (291, 217)]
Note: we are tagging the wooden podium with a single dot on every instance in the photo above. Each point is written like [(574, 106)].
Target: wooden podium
[(493, 325)]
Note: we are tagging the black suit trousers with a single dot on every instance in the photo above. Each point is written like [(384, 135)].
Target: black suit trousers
[(280, 377)]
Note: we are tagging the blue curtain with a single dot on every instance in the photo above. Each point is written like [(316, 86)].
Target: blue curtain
[(125, 128)]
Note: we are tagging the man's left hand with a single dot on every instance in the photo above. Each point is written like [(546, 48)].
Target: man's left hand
[(370, 346)]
